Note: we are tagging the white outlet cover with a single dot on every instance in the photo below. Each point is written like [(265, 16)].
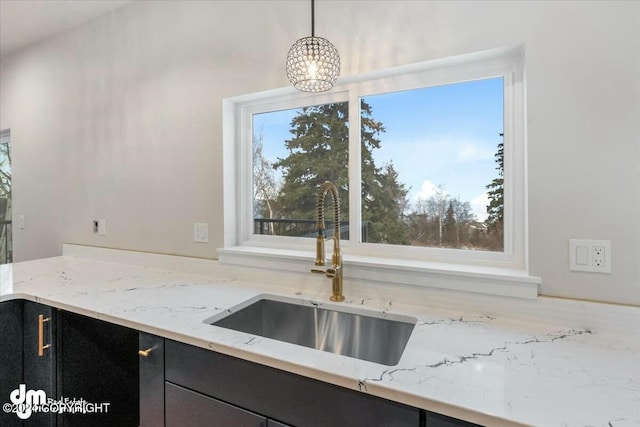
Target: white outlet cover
[(581, 255)]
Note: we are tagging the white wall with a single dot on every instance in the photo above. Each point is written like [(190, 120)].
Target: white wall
[(121, 118)]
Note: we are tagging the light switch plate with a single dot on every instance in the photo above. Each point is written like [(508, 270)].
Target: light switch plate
[(102, 227), (593, 256), (201, 232)]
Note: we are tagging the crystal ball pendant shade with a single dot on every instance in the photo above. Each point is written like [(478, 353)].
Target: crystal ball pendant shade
[(313, 64)]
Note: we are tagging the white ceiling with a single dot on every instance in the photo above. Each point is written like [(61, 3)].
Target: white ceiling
[(27, 22)]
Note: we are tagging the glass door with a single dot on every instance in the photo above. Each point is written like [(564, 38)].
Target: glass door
[(6, 247)]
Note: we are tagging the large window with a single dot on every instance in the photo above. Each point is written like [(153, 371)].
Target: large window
[(435, 150), (430, 166)]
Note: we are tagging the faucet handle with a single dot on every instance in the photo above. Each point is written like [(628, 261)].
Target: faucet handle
[(332, 272)]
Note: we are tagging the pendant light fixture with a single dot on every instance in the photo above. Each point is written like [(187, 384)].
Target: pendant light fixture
[(313, 63)]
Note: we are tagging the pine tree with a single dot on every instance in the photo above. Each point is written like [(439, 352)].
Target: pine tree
[(495, 209), (450, 226), (385, 211), (463, 215), (318, 152)]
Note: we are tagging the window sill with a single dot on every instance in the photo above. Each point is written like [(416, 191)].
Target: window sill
[(456, 277)]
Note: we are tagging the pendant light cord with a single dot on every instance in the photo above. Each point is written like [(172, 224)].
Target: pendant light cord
[(313, 32)]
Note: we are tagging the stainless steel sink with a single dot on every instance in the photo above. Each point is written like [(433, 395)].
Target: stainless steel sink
[(376, 337)]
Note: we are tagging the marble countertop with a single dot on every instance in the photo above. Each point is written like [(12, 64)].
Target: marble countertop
[(490, 370)]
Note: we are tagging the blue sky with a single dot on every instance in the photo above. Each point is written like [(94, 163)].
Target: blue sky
[(445, 135)]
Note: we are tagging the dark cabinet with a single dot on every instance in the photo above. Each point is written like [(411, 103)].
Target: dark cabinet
[(11, 313), (151, 355), (69, 356), (205, 388), (27, 360), (278, 395), (39, 356), (97, 361), (163, 403)]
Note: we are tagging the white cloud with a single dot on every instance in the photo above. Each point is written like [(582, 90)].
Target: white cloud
[(479, 206), (427, 190)]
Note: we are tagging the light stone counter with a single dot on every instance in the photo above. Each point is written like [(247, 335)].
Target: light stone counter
[(487, 369)]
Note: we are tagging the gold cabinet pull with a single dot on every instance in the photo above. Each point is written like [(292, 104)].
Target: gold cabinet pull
[(145, 353), (41, 345)]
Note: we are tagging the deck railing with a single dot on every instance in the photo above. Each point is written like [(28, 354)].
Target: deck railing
[(301, 228)]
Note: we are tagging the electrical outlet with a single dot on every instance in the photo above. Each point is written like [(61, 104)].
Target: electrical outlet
[(598, 256), (590, 255), (21, 222)]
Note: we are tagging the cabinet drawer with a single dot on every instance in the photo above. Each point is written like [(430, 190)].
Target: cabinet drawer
[(186, 408), (281, 395)]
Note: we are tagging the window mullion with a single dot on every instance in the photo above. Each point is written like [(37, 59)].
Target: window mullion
[(245, 183), (508, 147), (355, 214)]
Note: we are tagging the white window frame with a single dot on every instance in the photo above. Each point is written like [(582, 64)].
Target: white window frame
[(502, 273)]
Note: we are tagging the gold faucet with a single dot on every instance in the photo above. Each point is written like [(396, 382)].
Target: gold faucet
[(335, 271)]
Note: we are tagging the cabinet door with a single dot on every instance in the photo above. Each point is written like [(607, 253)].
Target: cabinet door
[(186, 408), (10, 356), (39, 327), (98, 362), (151, 380)]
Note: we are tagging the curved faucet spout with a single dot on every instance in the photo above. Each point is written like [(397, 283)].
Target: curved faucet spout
[(335, 271)]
